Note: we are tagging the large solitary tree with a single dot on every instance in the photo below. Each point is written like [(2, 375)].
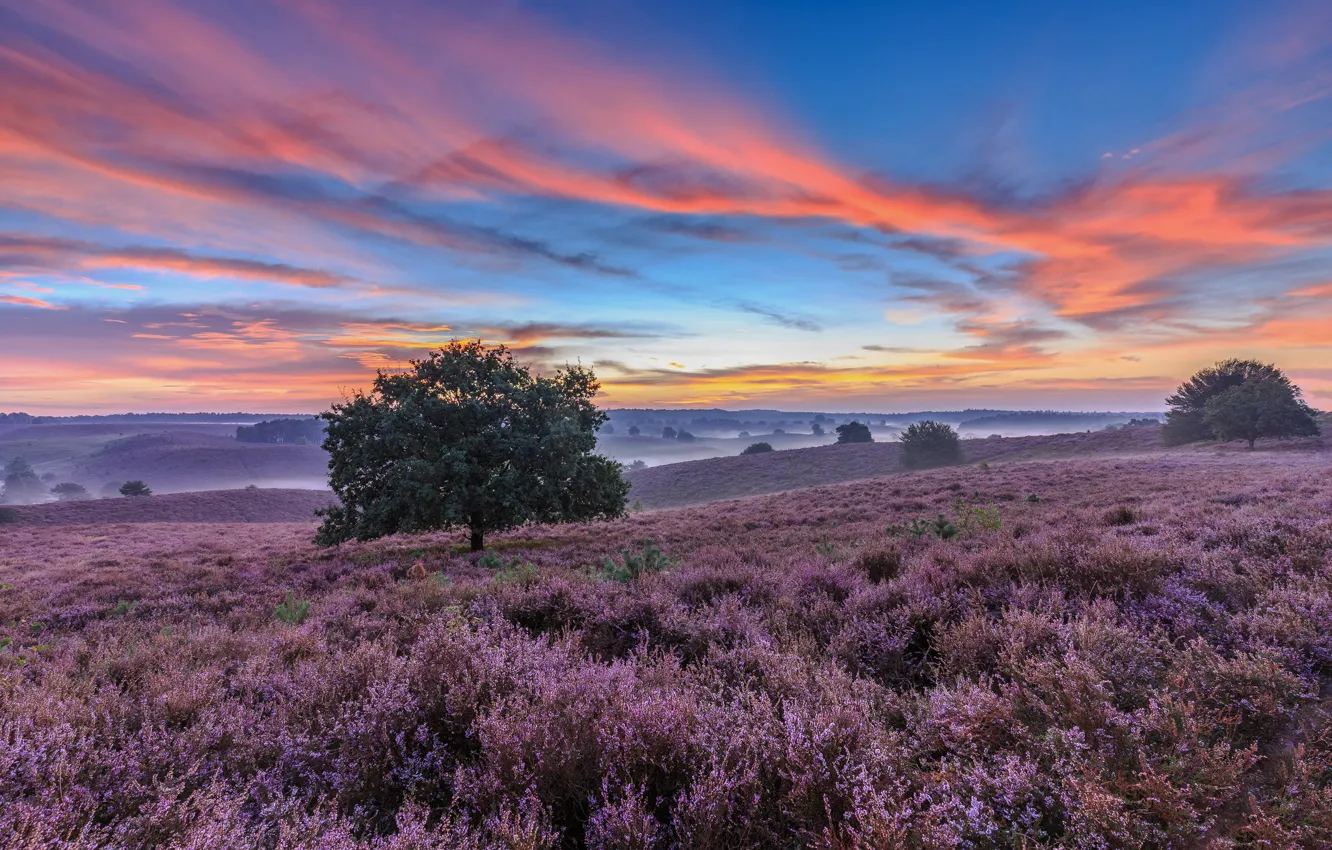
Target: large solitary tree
[(854, 432), (1187, 420), (1259, 408), (468, 438)]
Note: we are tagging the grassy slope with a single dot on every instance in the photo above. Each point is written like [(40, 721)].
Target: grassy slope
[(259, 505), (697, 482), (1130, 661)]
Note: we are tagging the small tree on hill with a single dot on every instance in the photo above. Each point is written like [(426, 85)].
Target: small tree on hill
[(467, 438), (135, 488), (22, 484), (816, 429), (69, 491), (929, 443), (854, 432), (1185, 419), (1259, 408), (684, 437), (668, 433), (757, 448), (634, 430)]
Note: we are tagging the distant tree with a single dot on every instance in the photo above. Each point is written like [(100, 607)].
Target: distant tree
[(69, 491), (854, 432), (48, 477), (134, 489), (1185, 418), (468, 438), (757, 449), (1142, 423), (684, 436), (606, 429), (668, 433), (22, 484), (743, 435), (816, 430), (820, 418), (634, 430), (929, 443), (1257, 408), (776, 431), (638, 464)]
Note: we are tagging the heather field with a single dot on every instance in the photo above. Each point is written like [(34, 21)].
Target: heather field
[(1097, 653)]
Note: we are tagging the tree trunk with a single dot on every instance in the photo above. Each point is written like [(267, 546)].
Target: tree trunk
[(1251, 442), (478, 539)]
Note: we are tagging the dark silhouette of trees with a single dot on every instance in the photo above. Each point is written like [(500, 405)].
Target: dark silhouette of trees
[(1185, 421), (1259, 408), (22, 484), (68, 491), (135, 489), (816, 429), (634, 430), (468, 438), (684, 436), (757, 448), (929, 443), (668, 433), (854, 432)]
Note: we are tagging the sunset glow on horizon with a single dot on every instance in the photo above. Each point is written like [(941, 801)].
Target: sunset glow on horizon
[(251, 205)]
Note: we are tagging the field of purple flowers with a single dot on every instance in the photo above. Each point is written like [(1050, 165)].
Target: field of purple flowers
[(1085, 653)]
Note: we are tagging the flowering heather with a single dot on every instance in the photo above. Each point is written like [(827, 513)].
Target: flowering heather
[(1140, 655)]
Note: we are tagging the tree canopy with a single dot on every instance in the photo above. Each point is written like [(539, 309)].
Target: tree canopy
[(282, 431), (1259, 408), (135, 488), (854, 432), (757, 448), (1185, 420), (467, 438), (69, 491), (930, 443)]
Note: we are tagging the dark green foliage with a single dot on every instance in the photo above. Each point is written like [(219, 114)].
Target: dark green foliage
[(854, 432), (1186, 419), (638, 464), (468, 439), (292, 611), (69, 491), (685, 437), (22, 485), (929, 443), (1259, 408), (282, 431), (668, 433), (632, 566), (757, 448), (634, 430), (135, 488)]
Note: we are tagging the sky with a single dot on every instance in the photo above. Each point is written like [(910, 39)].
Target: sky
[(888, 206)]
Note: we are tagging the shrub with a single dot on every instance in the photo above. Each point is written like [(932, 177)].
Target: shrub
[(135, 489), (1120, 515), (292, 611), (928, 443), (684, 436), (632, 566), (634, 430), (669, 433), (854, 432), (638, 464), (880, 566), (757, 448)]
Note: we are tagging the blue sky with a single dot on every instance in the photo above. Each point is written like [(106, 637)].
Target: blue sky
[(882, 206)]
